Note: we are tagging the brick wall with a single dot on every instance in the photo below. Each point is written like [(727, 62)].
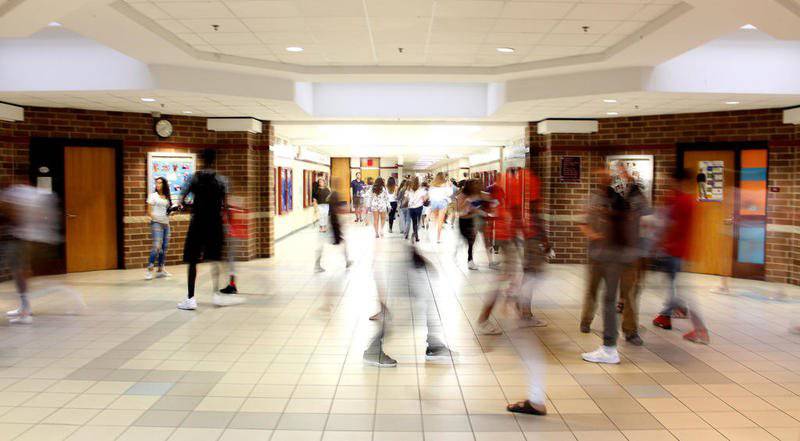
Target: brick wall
[(659, 135), (243, 157)]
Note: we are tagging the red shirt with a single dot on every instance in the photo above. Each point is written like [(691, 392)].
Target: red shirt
[(677, 235), (238, 224)]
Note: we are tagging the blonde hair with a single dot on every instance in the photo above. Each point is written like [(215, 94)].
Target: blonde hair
[(439, 180)]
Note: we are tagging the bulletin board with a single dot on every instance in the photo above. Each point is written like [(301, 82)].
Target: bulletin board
[(710, 181), (176, 168), (640, 167)]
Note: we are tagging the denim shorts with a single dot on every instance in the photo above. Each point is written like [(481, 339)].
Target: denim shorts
[(438, 204)]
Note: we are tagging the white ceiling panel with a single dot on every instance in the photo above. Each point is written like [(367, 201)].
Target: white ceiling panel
[(450, 24), (193, 9), (337, 24), (592, 27), (468, 8), (457, 38), (400, 9), (538, 10), (331, 8), (611, 11), (523, 26), (206, 25), (264, 8), (245, 38), (512, 38), (282, 24)]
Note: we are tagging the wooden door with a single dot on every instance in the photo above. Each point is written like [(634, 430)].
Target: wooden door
[(340, 178), (90, 202), (712, 236), (373, 173)]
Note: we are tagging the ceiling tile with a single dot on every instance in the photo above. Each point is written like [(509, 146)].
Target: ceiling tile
[(538, 10), (205, 25), (150, 10), (398, 9), (343, 24), (650, 12), (331, 8), (592, 27), (532, 26), (453, 49), (512, 38), (264, 8), (303, 39), (187, 10), (570, 39), (355, 40), (457, 37), (230, 38), (594, 11), (462, 24), (275, 24), (174, 26), (399, 38), (417, 25), (468, 8)]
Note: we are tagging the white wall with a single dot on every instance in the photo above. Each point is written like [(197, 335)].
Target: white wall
[(299, 217)]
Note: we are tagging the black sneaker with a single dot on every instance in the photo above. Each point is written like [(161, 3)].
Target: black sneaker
[(586, 328), (230, 289), (380, 359), (634, 339), (438, 353)]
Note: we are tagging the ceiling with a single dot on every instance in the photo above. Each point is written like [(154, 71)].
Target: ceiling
[(400, 33)]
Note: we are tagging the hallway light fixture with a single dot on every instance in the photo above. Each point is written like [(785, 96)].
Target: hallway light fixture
[(732, 103), (505, 50), (294, 49), (610, 101), (612, 113), (54, 24), (148, 100), (749, 27), (187, 112)]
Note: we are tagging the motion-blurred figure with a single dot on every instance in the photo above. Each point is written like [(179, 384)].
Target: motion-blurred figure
[(419, 270), (320, 198), (468, 206), (235, 232), (206, 236), (30, 218), (674, 249), (334, 219), (357, 189), (618, 250)]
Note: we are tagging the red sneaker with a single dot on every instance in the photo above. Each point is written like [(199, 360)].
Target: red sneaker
[(699, 336), (663, 322), (680, 313)]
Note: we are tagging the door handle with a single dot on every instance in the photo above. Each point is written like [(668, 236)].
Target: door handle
[(728, 221), (71, 216)]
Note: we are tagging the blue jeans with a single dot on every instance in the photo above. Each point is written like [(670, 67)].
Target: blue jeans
[(160, 242), (405, 220), (671, 265)]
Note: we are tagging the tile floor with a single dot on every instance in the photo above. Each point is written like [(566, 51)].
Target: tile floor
[(288, 364)]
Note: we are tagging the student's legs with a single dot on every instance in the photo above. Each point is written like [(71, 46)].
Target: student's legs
[(191, 278), (376, 224), (164, 245), (611, 276), (157, 233), (590, 295), (415, 218), (383, 219)]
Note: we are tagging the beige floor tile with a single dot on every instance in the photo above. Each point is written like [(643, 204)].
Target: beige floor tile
[(96, 433), (47, 432), (784, 434), (726, 420), (698, 435), (296, 435), (134, 402), (771, 418), (246, 435), (648, 435), (47, 399), (111, 417), (304, 405), (92, 401), (749, 434), (353, 406), (30, 415), (194, 434), (681, 421), (220, 404), (705, 404), (600, 435), (576, 406), (662, 405), (271, 405), (398, 407), (146, 434), (550, 436), (71, 416)]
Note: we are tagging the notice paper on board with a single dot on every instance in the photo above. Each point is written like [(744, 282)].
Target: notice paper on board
[(710, 180)]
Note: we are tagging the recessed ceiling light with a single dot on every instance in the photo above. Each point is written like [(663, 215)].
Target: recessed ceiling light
[(612, 113), (749, 27), (610, 101), (187, 112), (54, 24), (148, 100), (294, 49), (505, 50), (731, 103)]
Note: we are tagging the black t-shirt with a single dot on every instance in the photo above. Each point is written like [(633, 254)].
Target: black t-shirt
[(209, 190), (322, 195)]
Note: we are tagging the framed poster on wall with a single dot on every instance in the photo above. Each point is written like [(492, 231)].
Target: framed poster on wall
[(176, 168), (640, 167), (285, 190)]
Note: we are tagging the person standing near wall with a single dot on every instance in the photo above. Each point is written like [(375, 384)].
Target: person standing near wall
[(357, 189), (206, 236), (391, 187), (159, 205), (366, 194), (321, 199)]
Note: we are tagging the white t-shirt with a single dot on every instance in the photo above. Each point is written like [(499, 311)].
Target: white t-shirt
[(159, 208), (392, 196), (416, 198), (440, 193)]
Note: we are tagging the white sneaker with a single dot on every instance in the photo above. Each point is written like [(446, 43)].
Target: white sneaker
[(348, 264), (472, 265), (488, 328), (148, 275), (163, 273), (21, 320), (319, 269), (603, 354), (14, 312), (188, 304), (227, 300)]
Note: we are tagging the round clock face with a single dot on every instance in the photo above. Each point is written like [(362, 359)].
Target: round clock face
[(164, 128)]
